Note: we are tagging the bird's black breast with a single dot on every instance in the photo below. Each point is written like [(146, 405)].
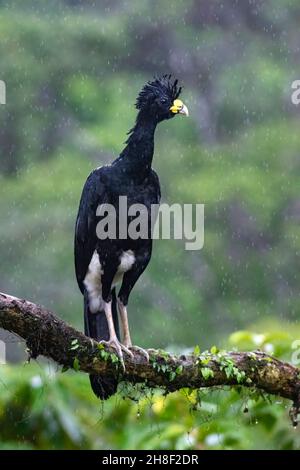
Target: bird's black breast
[(145, 192)]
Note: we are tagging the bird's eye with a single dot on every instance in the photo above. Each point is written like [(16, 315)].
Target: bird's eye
[(163, 100)]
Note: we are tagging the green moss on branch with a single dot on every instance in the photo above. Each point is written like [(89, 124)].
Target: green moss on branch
[(45, 334)]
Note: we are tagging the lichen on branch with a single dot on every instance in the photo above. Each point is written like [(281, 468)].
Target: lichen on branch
[(45, 334)]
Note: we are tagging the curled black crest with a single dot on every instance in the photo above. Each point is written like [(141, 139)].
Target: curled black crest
[(159, 86)]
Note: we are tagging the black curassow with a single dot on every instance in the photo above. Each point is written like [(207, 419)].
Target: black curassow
[(100, 262)]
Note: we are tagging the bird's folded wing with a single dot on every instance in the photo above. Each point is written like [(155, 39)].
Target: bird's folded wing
[(93, 194)]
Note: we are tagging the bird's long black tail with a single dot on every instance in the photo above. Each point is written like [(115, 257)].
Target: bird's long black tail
[(95, 326)]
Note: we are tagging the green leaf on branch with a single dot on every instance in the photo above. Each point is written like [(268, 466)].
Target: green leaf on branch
[(207, 373), (76, 365)]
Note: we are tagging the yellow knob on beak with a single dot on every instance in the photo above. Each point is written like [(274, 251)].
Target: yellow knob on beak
[(179, 108)]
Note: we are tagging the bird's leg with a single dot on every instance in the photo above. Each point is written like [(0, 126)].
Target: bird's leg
[(113, 340), (124, 324), (125, 330), (129, 280)]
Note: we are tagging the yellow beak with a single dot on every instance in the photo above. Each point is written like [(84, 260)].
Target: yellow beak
[(179, 108)]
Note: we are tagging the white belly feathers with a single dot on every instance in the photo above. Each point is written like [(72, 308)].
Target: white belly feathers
[(92, 280)]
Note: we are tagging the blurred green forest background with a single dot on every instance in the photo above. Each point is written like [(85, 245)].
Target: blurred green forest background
[(73, 69)]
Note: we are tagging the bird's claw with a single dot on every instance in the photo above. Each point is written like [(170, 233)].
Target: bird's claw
[(118, 348), (142, 351)]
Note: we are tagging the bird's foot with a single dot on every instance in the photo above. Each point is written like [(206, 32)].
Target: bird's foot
[(119, 348), (142, 351)]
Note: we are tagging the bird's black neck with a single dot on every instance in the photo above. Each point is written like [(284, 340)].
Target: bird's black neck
[(136, 159)]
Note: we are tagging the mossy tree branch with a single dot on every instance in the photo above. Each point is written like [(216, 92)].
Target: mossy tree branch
[(45, 334)]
